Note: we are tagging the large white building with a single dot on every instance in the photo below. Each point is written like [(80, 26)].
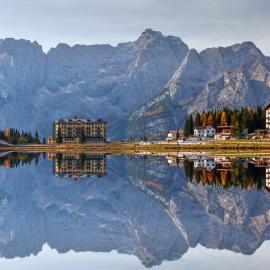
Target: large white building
[(267, 119), (207, 132)]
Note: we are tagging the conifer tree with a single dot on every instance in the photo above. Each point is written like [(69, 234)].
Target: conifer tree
[(59, 138), (186, 129), (36, 138), (190, 124), (82, 136), (197, 121)]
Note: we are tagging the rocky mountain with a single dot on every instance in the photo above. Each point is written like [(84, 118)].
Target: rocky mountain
[(141, 87), (112, 212), (235, 76)]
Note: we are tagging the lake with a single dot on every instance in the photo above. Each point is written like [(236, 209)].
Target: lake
[(95, 211)]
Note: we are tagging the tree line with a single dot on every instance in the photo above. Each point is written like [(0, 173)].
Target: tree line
[(14, 136), (247, 118)]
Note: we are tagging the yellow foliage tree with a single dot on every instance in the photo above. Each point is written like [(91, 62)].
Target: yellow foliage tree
[(224, 119), (204, 119)]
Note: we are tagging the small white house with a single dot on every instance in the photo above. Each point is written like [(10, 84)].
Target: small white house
[(172, 134), (207, 132), (198, 132)]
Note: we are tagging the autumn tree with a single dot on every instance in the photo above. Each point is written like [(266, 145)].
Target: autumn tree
[(210, 120), (204, 119), (224, 118)]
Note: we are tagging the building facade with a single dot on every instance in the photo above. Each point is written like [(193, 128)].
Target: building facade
[(173, 135), (51, 140), (267, 118), (225, 133), (207, 132), (78, 130)]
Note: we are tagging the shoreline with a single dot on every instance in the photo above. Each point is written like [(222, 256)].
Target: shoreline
[(214, 147)]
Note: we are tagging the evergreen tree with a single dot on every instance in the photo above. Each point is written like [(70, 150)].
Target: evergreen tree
[(36, 138), (186, 129), (197, 121), (190, 125), (59, 138), (2, 135), (82, 136)]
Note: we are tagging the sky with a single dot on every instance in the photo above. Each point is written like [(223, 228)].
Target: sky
[(195, 258), (199, 23)]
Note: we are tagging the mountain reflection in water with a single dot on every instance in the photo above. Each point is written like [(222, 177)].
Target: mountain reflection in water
[(153, 207)]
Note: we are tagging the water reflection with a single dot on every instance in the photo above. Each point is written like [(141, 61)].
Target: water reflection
[(225, 171), (78, 165), (14, 159), (140, 205)]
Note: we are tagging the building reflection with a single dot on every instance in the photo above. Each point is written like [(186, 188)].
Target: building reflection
[(78, 165), (249, 173)]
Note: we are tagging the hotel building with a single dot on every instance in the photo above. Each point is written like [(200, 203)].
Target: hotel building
[(78, 130)]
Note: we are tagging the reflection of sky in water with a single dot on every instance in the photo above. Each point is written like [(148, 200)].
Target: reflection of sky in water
[(196, 258), (143, 207)]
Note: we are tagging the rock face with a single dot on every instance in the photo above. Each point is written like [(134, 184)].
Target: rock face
[(112, 213), (98, 81), (140, 87)]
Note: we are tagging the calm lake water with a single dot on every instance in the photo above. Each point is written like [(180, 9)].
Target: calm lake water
[(85, 211)]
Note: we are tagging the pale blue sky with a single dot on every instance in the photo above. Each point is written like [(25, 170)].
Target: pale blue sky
[(196, 258), (200, 23)]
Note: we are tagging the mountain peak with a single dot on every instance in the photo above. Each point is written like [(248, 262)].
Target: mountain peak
[(150, 32)]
